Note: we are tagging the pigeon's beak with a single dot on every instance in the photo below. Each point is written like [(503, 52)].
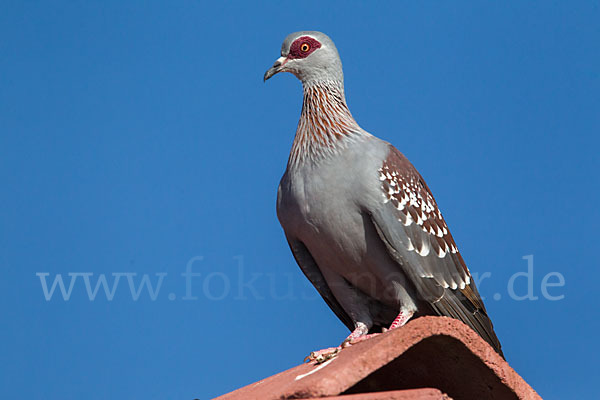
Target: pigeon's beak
[(277, 67)]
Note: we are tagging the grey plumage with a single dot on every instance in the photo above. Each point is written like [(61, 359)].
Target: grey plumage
[(360, 220)]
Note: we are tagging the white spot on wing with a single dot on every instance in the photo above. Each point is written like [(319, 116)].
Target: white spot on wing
[(439, 232), (424, 250)]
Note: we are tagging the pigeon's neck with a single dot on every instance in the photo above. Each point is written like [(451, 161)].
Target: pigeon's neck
[(326, 125)]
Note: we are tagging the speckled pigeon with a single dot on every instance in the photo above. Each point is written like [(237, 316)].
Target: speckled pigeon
[(360, 220)]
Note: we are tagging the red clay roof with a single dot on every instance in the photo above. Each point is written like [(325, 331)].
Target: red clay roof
[(439, 356), (410, 394)]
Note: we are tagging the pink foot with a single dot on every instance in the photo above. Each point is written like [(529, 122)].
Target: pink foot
[(358, 335), (327, 354), (321, 356), (359, 339)]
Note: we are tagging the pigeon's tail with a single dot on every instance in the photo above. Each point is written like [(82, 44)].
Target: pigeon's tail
[(456, 304)]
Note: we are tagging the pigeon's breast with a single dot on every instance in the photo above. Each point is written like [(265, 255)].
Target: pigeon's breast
[(323, 206), (321, 213)]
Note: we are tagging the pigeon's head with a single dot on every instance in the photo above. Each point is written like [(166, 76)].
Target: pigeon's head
[(309, 55)]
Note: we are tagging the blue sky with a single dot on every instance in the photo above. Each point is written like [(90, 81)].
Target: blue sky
[(139, 138)]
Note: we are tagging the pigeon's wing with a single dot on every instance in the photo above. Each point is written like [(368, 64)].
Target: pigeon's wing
[(410, 224), (310, 268)]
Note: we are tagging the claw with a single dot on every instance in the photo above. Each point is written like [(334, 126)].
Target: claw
[(322, 355), (311, 357), (321, 358)]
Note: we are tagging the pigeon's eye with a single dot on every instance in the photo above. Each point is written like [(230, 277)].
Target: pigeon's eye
[(303, 47)]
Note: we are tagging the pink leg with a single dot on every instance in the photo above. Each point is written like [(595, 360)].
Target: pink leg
[(400, 320), (360, 330)]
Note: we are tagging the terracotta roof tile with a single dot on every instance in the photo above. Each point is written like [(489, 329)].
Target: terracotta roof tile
[(437, 355)]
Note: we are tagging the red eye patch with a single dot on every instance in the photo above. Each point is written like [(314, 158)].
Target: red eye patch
[(302, 47)]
